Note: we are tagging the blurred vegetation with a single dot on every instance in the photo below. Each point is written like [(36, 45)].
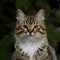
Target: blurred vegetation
[(30, 7)]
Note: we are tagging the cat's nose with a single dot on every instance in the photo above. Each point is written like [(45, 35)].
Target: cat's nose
[(30, 31), (30, 34)]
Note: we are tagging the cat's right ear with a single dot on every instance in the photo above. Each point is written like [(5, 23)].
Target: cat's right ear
[(20, 15), (40, 15)]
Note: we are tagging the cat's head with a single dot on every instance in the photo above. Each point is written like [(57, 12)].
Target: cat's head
[(30, 25)]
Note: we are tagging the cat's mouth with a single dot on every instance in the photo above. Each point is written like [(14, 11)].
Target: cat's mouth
[(30, 36)]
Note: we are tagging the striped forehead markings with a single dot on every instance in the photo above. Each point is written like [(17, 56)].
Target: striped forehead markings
[(30, 20)]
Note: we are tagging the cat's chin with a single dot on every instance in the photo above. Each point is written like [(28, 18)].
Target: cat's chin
[(30, 37)]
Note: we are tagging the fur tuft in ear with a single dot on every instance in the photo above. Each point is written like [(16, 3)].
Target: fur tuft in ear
[(40, 15), (20, 15), (42, 12)]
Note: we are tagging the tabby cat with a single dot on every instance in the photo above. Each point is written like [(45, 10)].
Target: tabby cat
[(31, 39)]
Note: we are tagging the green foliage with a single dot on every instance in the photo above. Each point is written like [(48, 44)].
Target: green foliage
[(25, 5), (48, 10), (22, 3), (53, 36), (5, 48), (58, 13)]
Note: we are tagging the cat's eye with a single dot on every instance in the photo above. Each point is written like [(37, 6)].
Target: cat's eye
[(24, 26), (35, 26), (42, 31)]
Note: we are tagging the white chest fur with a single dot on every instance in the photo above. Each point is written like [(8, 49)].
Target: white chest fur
[(30, 45)]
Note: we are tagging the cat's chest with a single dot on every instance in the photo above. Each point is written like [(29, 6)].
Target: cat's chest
[(32, 47)]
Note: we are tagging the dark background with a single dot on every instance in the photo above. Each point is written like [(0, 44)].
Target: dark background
[(30, 7)]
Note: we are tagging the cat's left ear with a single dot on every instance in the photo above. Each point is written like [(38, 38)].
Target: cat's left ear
[(20, 15), (40, 15)]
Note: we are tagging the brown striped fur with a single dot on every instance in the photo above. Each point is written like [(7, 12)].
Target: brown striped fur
[(31, 30)]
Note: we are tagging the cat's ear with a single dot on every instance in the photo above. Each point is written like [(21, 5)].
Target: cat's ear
[(40, 15), (20, 15)]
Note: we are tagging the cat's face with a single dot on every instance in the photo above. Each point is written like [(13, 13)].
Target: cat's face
[(30, 25)]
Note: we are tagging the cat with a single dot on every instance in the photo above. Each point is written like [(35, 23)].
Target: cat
[(31, 41)]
